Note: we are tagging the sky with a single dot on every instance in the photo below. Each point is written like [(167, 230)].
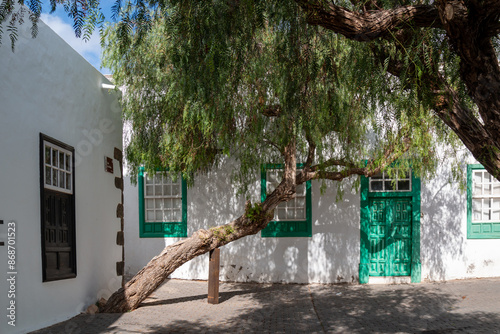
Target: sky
[(63, 26)]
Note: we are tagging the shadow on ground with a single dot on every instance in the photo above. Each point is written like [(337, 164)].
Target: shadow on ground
[(426, 308)]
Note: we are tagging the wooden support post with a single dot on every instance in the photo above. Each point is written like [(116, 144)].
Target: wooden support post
[(213, 276)]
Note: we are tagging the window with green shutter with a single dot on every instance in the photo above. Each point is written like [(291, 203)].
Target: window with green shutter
[(162, 205), (483, 204), (292, 218)]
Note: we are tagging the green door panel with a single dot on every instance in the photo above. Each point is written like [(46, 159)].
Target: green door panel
[(401, 237), (390, 236), (378, 238)]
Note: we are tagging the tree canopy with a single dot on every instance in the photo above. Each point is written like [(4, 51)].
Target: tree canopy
[(343, 87), (443, 52), (254, 82), (205, 81), (460, 33)]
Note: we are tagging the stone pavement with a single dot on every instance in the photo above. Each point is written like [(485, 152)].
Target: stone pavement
[(179, 306)]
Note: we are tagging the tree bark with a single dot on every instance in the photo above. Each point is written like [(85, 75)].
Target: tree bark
[(254, 219), (202, 241), (466, 26), (368, 25), (469, 27), (172, 257)]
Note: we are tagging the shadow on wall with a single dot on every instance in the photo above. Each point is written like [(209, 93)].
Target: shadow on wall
[(335, 244), (442, 236), (330, 255)]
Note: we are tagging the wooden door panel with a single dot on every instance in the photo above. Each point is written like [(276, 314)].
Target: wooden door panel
[(378, 232), (401, 238), (59, 255), (390, 237)]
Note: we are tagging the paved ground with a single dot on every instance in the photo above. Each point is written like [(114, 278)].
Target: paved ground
[(469, 306)]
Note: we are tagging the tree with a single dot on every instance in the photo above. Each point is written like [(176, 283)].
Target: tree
[(465, 32), (257, 84), (446, 50), (422, 56)]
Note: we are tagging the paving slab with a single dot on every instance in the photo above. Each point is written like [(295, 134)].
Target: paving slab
[(180, 306)]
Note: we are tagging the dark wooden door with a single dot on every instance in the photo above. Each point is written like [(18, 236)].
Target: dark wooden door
[(59, 236)]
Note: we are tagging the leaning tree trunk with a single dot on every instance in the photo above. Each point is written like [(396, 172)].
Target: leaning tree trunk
[(255, 218), (172, 257)]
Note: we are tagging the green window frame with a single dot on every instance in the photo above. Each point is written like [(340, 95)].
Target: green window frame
[(286, 228), (488, 200), (161, 228)]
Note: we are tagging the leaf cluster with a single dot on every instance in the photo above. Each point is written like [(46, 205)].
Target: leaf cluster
[(207, 81)]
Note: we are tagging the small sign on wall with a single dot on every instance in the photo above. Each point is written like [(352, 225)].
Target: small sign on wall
[(108, 165)]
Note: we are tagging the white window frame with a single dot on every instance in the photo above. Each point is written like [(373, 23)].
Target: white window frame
[(394, 181), (67, 171), (484, 197), (154, 197), (300, 196)]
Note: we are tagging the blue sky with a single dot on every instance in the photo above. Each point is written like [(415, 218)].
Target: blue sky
[(63, 26)]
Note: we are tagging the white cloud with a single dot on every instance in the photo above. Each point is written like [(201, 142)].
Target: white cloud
[(90, 50)]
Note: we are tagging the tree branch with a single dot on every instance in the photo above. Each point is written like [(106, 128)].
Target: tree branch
[(461, 120), (333, 162), (272, 110), (254, 219), (390, 155), (311, 152), (287, 187), (273, 144), (370, 25)]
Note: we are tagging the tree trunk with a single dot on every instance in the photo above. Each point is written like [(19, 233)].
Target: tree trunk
[(255, 218), (172, 257), (469, 26)]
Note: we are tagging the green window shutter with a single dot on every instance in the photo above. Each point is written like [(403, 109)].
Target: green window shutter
[(484, 227), (287, 228), (161, 229)]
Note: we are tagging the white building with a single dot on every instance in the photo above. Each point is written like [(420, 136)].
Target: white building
[(425, 230), (61, 206), (58, 204)]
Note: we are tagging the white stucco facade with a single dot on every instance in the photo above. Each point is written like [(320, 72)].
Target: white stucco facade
[(446, 251), (46, 87), (212, 202), (332, 254)]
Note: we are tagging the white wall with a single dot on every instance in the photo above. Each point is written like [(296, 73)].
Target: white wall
[(46, 87), (331, 255), (446, 253)]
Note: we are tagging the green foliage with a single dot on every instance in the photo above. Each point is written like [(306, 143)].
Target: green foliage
[(253, 211), (86, 14), (12, 15), (202, 79), (222, 232)]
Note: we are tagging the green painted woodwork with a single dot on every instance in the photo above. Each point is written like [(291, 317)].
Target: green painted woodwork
[(390, 236), (390, 232), (161, 229), (478, 230), (285, 228)]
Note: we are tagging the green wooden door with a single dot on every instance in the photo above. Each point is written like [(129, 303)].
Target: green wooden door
[(389, 236)]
